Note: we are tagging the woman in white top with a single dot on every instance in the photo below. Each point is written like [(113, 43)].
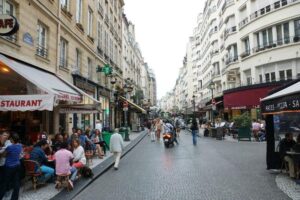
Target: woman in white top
[(78, 153)]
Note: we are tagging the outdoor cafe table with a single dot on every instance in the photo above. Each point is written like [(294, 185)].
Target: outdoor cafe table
[(296, 158)]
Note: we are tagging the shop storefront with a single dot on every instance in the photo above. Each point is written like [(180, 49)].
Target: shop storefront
[(281, 110), (246, 99), (107, 112), (31, 98)]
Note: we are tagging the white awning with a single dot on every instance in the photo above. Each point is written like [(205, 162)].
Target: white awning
[(293, 89), (134, 105), (44, 80)]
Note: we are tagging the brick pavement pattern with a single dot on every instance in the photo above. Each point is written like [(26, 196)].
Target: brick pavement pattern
[(212, 170)]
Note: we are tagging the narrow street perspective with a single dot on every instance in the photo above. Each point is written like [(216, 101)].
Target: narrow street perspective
[(211, 170)]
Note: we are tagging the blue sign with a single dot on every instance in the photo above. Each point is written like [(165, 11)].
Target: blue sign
[(27, 38)]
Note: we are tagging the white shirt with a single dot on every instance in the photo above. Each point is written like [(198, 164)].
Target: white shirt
[(116, 143), (79, 155)]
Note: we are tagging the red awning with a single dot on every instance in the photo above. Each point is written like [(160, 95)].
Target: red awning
[(244, 99)]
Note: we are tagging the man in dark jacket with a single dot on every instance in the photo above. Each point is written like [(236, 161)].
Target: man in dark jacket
[(286, 145), (38, 154)]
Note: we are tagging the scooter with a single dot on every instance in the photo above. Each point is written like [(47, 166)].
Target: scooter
[(168, 140)]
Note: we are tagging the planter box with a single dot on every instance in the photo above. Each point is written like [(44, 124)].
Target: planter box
[(244, 133)]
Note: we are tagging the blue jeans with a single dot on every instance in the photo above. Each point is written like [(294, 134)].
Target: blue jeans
[(47, 171), (194, 134), (73, 174)]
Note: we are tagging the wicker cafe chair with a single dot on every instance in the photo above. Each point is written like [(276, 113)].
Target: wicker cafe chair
[(32, 170)]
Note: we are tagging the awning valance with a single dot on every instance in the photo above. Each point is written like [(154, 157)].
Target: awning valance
[(81, 109), (44, 80), (134, 105), (283, 101)]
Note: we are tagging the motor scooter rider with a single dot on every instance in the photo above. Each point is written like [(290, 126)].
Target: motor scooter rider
[(169, 128)]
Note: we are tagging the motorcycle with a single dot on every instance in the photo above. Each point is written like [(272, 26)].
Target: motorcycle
[(168, 140)]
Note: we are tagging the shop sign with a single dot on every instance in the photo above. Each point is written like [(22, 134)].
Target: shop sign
[(26, 102), (287, 103), (8, 25), (84, 85), (69, 97)]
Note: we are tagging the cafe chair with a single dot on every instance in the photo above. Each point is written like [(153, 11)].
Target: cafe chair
[(32, 170)]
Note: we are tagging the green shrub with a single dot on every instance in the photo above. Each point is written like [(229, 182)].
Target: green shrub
[(243, 120)]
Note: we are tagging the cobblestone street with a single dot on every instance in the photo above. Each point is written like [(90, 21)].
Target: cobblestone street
[(211, 170)]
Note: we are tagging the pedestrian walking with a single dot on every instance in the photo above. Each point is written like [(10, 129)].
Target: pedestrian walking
[(194, 128), (12, 168), (116, 147), (158, 128)]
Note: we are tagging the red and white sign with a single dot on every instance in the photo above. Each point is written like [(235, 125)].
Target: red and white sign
[(69, 97), (26, 102), (8, 24)]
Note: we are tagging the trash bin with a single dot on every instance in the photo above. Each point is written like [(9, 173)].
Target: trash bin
[(213, 132), (219, 135), (106, 137), (122, 131)]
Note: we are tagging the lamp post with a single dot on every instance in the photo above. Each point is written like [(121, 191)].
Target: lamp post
[(127, 89), (194, 102), (113, 112), (212, 87)]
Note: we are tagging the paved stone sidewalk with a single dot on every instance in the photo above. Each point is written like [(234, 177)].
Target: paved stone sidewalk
[(48, 191), (288, 186)]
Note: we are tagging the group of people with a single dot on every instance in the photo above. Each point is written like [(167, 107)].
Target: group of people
[(65, 155)]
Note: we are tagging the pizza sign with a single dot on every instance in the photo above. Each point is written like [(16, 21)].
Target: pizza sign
[(8, 25)]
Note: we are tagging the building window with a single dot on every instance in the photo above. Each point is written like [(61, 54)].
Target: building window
[(78, 60), (41, 48), (63, 53), (249, 80), (90, 22), (279, 34), (257, 39), (78, 11), (90, 68), (247, 45), (260, 78), (265, 38), (99, 35), (270, 36), (297, 28), (289, 74), (273, 76), (267, 76), (281, 75), (286, 32), (64, 4)]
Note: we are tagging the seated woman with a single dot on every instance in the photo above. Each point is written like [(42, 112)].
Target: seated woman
[(98, 140), (79, 160)]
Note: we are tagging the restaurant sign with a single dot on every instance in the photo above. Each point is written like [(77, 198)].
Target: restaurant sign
[(26, 102), (8, 25), (283, 104)]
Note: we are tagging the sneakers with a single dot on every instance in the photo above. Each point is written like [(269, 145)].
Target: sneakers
[(70, 185), (115, 168)]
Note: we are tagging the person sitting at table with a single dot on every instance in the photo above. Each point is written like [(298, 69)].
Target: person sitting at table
[(38, 154), (63, 160), (98, 141), (285, 145), (78, 153), (59, 139)]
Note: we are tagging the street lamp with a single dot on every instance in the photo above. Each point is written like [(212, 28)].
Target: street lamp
[(212, 87), (194, 103), (127, 89)]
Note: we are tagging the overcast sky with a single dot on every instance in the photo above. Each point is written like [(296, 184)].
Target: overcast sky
[(163, 28)]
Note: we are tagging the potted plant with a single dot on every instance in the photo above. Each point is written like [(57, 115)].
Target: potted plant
[(243, 122)]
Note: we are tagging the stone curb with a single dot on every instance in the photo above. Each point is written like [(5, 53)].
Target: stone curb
[(98, 171)]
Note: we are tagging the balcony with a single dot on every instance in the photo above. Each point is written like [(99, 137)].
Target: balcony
[(229, 31), (245, 54), (214, 52), (243, 23), (42, 51), (283, 42), (226, 4), (270, 8), (100, 10), (213, 30), (231, 60), (11, 38)]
